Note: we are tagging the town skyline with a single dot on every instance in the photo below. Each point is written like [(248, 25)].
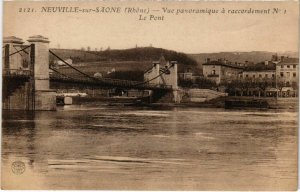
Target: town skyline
[(85, 48)]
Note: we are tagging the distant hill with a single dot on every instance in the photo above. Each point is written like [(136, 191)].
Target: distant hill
[(240, 57), (135, 55)]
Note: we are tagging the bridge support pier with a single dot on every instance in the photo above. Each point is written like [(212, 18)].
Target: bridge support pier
[(177, 96), (44, 97)]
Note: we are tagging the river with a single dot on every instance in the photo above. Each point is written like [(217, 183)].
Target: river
[(122, 148)]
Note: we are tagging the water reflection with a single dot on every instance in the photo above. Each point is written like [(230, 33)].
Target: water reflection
[(106, 147)]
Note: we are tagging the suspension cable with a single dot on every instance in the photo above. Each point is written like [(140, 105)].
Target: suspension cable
[(165, 71), (141, 83), (19, 50), (72, 66), (60, 73)]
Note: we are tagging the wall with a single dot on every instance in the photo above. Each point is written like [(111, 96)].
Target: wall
[(170, 78), (20, 99), (259, 75), (212, 72), (202, 95), (229, 73), (152, 73), (288, 73)]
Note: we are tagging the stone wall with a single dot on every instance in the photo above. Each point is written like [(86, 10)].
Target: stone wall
[(201, 95)]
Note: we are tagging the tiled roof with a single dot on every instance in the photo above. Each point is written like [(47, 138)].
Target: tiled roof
[(261, 67), (290, 60), (222, 64)]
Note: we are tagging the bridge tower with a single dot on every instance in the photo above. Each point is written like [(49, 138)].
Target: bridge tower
[(164, 73), (10, 44), (45, 98), (25, 74)]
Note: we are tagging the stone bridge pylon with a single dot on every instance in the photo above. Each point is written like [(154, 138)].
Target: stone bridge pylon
[(26, 74), (164, 73)]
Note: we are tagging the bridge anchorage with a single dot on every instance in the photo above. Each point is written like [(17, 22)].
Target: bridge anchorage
[(30, 82)]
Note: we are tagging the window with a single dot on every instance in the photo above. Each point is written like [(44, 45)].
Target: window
[(213, 72), (294, 74), (288, 66), (253, 76), (266, 75), (294, 66), (288, 74), (247, 75), (260, 76), (281, 74), (282, 66), (273, 75)]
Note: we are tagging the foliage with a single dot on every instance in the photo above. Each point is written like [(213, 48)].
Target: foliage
[(135, 54), (246, 85), (201, 83), (127, 75)]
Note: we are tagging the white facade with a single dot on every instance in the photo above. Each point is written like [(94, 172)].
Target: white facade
[(219, 72), (259, 75), (165, 75), (287, 71)]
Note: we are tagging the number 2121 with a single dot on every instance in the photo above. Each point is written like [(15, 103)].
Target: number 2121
[(26, 10)]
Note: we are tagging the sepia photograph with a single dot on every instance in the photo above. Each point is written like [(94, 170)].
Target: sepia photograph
[(150, 95)]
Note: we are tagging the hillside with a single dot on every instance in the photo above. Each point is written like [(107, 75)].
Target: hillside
[(240, 57), (145, 54), (127, 64)]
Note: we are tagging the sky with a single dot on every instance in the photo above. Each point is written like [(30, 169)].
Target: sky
[(189, 33)]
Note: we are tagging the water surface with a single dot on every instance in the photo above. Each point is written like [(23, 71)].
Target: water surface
[(111, 147)]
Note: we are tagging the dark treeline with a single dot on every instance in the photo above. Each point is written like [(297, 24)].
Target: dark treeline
[(201, 83), (135, 54), (127, 75)]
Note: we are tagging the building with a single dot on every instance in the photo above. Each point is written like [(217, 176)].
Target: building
[(186, 75), (261, 72), (61, 63), (287, 72), (221, 70)]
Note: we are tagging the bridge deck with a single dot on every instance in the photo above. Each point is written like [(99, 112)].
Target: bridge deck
[(99, 82)]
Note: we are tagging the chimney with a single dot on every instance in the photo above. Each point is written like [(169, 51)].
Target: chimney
[(274, 57), (266, 62), (155, 63)]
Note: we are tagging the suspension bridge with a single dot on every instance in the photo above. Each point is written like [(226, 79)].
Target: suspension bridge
[(28, 77)]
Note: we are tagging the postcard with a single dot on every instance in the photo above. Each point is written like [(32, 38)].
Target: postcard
[(150, 95)]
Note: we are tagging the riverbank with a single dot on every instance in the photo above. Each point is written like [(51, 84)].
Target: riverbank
[(220, 102), (272, 102)]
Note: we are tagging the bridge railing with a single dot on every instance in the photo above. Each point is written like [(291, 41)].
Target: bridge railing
[(16, 72)]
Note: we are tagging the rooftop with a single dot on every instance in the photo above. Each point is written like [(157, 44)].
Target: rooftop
[(223, 63), (262, 67), (290, 60)]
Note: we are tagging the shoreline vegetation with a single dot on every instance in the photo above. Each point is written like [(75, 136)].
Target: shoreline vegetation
[(264, 103)]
